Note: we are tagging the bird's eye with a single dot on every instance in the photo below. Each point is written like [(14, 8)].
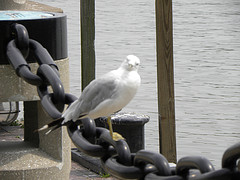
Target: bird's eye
[(137, 64)]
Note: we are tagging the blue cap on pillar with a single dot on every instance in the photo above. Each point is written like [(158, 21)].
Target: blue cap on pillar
[(23, 15)]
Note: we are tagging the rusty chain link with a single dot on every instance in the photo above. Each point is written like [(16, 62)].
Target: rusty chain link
[(95, 141)]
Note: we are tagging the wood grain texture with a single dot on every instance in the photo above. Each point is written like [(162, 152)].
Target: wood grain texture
[(87, 10), (165, 76)]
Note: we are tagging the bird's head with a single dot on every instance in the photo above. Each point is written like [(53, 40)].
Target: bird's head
[(131, 63)]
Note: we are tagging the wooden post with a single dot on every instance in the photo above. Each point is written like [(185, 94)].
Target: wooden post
[(87, 10), (165, 76)]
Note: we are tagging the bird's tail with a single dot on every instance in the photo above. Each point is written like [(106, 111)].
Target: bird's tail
[(55, 124)]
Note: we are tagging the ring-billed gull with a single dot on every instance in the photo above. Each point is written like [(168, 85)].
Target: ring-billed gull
[(104, 96)]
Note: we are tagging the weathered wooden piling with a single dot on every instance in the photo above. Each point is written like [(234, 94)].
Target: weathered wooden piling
[(87, 12), (165, 76)]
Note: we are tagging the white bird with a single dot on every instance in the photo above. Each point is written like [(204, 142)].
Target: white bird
[(104, 96)]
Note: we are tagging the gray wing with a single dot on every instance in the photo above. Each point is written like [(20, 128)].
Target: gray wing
[(95, 93)]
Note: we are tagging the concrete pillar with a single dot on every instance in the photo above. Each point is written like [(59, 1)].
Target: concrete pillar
[(39, 156)]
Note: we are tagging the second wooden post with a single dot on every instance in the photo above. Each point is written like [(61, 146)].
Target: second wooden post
[(165, 76)]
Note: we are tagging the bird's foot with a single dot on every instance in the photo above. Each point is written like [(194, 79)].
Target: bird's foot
[(116, 136)]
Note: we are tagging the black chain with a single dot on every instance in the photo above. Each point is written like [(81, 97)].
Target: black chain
[(95, 141), (47, 72)]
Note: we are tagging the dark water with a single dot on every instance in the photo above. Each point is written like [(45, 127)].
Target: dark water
[(206, 62)]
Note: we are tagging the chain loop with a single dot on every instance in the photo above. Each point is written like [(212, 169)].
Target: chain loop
[(48, 74), (114, 167), (83, 144), (123, 151), (49, 106), (22, 38), (42, 56), (231, 156), (158, 160), (193, 162)]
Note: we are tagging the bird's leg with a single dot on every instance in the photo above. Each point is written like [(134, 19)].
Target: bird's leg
[(110, 125), (115, 136)]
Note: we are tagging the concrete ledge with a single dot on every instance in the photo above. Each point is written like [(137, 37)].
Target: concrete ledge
[(20, 160)]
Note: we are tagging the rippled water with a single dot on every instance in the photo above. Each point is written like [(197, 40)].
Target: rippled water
[(207, 83), (206, 62)]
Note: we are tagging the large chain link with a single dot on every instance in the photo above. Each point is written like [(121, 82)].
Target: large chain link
[(94, 141), (47, 72)]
